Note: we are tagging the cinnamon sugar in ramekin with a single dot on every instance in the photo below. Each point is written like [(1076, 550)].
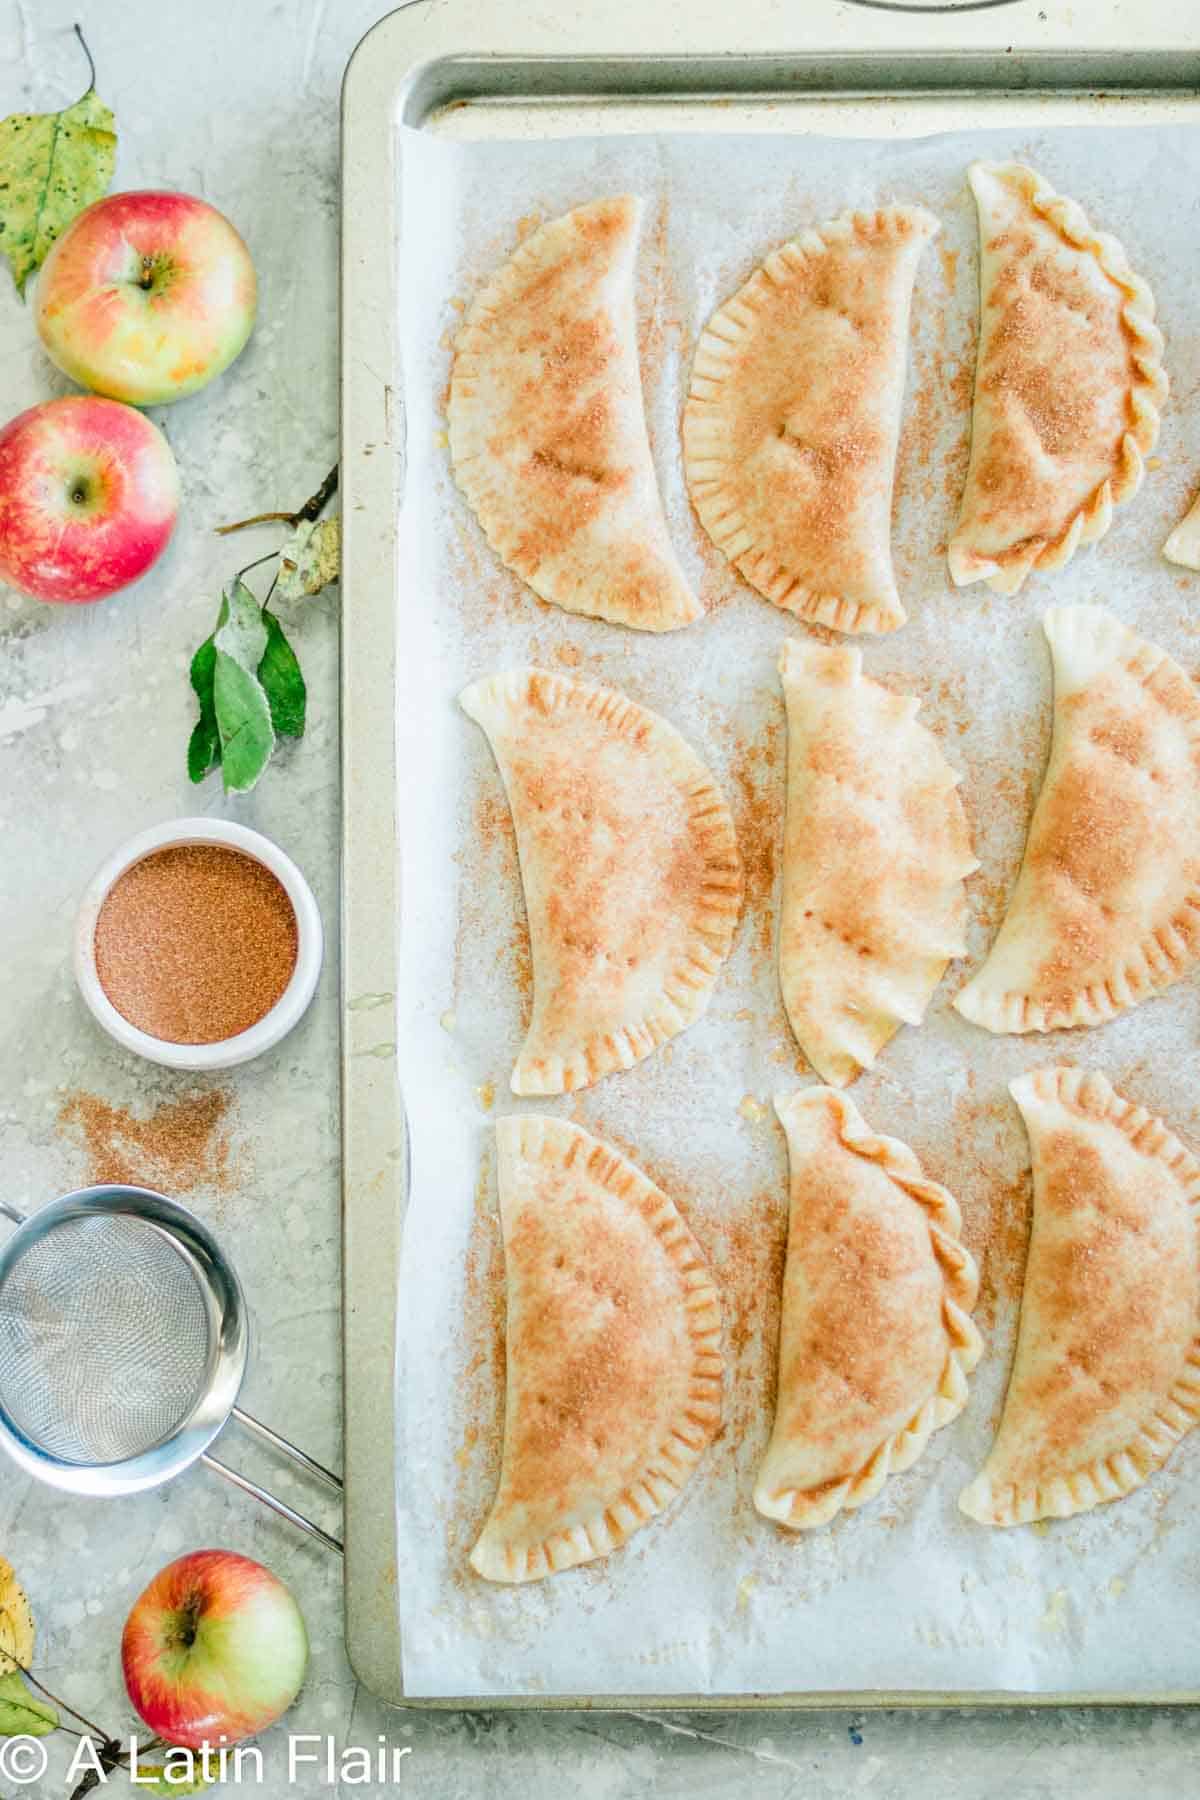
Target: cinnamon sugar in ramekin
[(196, 943)]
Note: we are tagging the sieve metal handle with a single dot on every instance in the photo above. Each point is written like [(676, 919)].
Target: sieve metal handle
[(302, 1460), (281, 1443), (276, 1505), (300, 1457)]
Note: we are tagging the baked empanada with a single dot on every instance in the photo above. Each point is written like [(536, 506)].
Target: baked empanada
[(629, 860), (1107, 904), (792, 421), (548, 428), (613, 1383), (876, 849), (877, 1338), (1068, 383), (1106, 1378)]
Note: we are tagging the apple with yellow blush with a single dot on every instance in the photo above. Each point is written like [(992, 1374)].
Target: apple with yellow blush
[(89, 496), (146, 297), (214, 1650)]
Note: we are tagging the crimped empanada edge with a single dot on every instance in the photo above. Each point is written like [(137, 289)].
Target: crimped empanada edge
[(1090, 522), (1170, 948), (688, 988), (713, 496), (803, 1510), (1062, 1494), (536, 1137)]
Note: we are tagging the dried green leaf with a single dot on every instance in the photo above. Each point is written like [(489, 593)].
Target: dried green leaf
[(310, 558), (242, 709), (52, 165), (282, 681), (204, 745), (22, 1714)]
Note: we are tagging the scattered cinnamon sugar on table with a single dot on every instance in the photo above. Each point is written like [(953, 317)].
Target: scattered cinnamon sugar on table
[(183, 1144)]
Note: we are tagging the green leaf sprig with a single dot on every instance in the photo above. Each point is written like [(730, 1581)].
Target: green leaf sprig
[(28, 1709), (250, 691), (245, 675), (52, 165), (22, 1714)]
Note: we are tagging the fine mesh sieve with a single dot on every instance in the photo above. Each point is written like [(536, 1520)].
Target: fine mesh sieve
[(123, 1344), (105, 1339)]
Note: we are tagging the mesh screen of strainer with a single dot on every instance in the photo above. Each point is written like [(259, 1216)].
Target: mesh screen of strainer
[(104, 1339)]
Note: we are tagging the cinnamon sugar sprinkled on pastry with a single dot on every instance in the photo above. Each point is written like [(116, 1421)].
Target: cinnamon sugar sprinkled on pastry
[(629, 861), (877, 1339), (614, 1367), (547, 426), (1107, 1368), (792, 418), (876, 851), (1106, 909), (1068, 384)]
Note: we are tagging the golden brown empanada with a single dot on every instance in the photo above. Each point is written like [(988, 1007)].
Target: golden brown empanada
[(793, 418), (876, 849), (548, 429), (613, 1383), (1107, 905), (1068, 383), (877, 1339), (629, 860), (1106, 1378)]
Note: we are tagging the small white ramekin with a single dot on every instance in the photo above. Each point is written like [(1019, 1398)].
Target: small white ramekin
[(292, 1003)]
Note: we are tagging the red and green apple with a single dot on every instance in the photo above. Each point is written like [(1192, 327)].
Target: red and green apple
[(89, 495), (214, 1651), (146, 296)]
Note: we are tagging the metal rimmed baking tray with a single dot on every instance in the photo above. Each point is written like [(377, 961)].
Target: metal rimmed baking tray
[(491, 70)]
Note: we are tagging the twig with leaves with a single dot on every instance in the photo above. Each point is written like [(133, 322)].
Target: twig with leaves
[(246, 676), (52, 165), (27, 1713), (312, 509)]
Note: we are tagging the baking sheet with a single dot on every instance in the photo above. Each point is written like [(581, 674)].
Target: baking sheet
[(711, 1599)]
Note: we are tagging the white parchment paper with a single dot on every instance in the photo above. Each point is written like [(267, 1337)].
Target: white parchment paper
[(710, 1599)]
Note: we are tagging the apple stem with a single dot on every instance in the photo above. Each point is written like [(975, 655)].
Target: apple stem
[(91, 64), (256, 564), (284, 518), (308, 513)]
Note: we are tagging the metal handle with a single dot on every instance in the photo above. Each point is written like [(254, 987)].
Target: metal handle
[(300, 1457), (281, 1443), (277, 1506)]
